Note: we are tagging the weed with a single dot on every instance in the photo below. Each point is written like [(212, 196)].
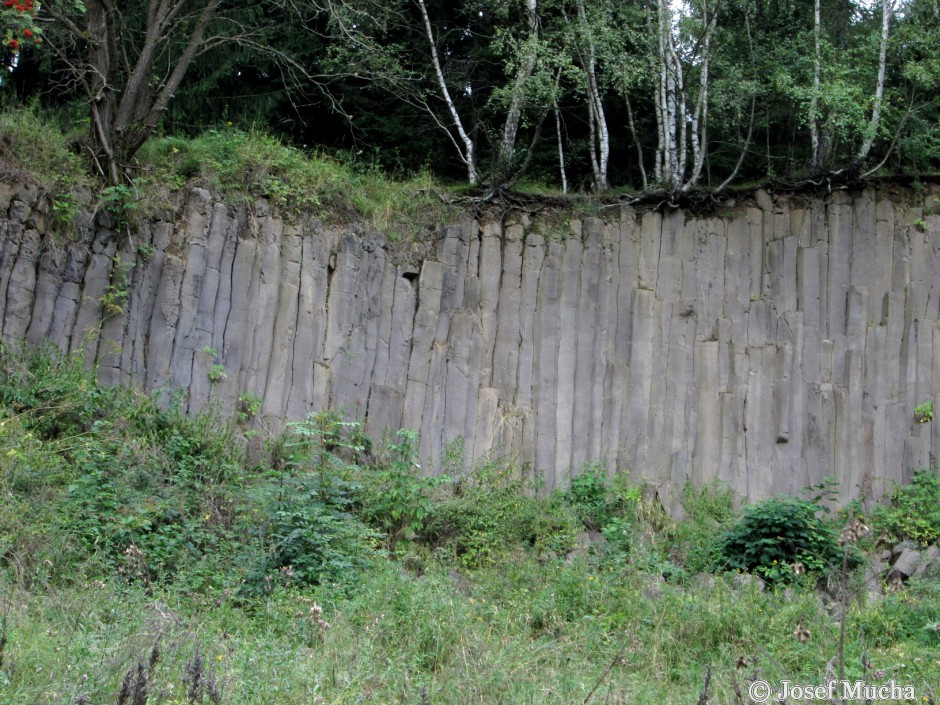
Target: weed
[(121, 202), (114, 298), (399, 501), (217, 373), (588, 495), (923, 413), (249, 405)]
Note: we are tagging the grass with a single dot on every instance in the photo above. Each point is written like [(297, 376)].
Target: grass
[(36, 145), (237, 166), (486, 603)]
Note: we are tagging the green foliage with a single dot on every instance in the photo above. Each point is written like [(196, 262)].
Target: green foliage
[(121, 202), (134, 485), (302, 509), (913, 512), (588, 496), (398, 500), (775, 535), (912, 615), (36, 144), (241, 165), (114, 298), (123, 520), (249, 406), (923, 413), (65, 211), (480, 518)]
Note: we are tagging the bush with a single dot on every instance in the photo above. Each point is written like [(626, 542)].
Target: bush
[(488, 514), (301, 512), (914, 510), (773, 537), (398, 499), (588, 496)]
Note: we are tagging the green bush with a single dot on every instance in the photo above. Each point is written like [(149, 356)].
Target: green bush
[(488, 514), (913, 512), (144, 489), (398, 498), (588, 495), (300, 513), (774, 536)]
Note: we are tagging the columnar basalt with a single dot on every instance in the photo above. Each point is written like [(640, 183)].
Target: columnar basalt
[(770, 345)]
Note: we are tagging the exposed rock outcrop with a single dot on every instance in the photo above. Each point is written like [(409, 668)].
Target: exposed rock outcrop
[(767, 347)]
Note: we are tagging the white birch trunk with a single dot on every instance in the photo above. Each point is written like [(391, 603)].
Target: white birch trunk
[(507, 146), (872, 131), (561, 150), (469, 153), (600, 135), (700, 121), (814, 101)]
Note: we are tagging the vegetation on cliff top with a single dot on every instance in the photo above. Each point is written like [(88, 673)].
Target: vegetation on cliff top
[(657, 96), (142, 558)]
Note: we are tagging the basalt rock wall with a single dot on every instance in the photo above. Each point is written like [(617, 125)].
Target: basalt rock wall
[(775, 343)]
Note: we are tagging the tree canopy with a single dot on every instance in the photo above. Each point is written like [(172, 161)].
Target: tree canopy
[(644, 95)]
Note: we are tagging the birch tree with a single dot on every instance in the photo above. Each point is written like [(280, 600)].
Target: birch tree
[(682, 109)]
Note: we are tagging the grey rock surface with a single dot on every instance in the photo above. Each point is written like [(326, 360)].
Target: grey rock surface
[(769, 345)]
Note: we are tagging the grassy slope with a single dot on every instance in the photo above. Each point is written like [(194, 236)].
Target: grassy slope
[(481, 607)]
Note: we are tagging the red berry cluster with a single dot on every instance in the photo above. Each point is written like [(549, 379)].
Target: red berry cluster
[(24, 11)]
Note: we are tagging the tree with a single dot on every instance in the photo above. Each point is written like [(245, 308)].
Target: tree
[(681, 122), (134, 60), (475, 60)]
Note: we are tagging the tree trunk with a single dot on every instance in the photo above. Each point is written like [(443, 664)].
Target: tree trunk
[(600, 135), (469, 153), (818, 161), (700, 119), (125, 110), (561, 150), (872, 131), (507, 146), (636, 140)]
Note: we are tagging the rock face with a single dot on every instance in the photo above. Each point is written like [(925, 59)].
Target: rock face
[(767, 346)]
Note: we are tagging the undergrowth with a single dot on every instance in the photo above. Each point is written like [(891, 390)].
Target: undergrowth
[(141, 558)]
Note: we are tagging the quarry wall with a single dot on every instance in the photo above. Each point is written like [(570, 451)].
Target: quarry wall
[(774, 343)]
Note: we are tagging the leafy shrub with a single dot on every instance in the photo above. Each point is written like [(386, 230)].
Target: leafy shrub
[(775, 535), (588, 496), (134, 485), (398, 499), (488, 514), (913, 512), (306, 540), (302, 510)]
